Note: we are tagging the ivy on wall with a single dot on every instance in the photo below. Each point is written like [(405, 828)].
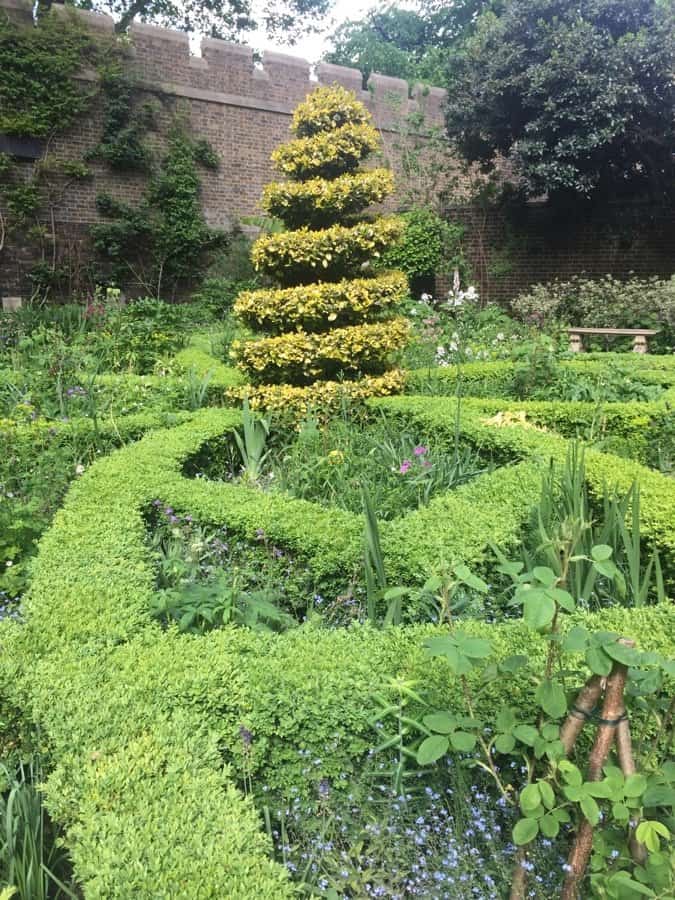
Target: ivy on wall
[(158, 245), (122, 143), (39, 94), (164, 242)]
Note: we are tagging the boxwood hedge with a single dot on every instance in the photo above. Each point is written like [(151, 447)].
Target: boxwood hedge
[(143, 725)]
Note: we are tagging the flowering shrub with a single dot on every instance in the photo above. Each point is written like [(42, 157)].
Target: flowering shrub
[(319, 337), (604, 303)]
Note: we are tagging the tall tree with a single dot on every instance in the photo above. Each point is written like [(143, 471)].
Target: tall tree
[(578, 95), (228, 19), (406, 43)]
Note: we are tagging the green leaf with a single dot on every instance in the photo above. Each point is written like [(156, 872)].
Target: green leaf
[(547, 795), (546, 576), (562, 598), (590, 809), (551, 697), (635, 785), (575, 640), (648, 834), (598, 661), (476, 648), (550, 731), (504, 743), (608, 569), (505, 720), (463, 741), (620, 812), (466, 576), (538, 609), (526, 734), (442, 722), (626, 655), (432, 749), (525, 830), (601, 552), (513, 663), (549, 825), (570, 772), (530, 798), (659, 795)]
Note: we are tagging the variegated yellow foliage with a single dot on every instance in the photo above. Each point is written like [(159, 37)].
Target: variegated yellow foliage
[(326, 155), (317, 307), (329, 325), (326, 109), (295, 257), (319, 202), (302, 357), (321, 397)]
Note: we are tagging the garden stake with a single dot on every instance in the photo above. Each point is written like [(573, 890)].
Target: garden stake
[(624, 752), (582, 708), (613, 712)]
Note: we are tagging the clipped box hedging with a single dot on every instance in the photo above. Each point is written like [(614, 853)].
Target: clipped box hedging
[(636, 429), (436, 415), (143, 725), (494, 378)]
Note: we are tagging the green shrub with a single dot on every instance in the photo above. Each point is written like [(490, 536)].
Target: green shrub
[(139, 721), (429, 246), (604, 303)]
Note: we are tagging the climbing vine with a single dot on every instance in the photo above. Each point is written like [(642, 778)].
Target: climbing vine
[(122, 143), (39, 91), (164, 241)]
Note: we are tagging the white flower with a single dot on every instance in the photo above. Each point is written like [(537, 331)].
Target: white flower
[(79, 469), (500, 336), (454, 346), (471, 293), (440, 351), (9, 563), (426, 297)]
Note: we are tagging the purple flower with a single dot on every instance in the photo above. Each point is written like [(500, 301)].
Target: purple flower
[(420, 450), (245, 736), (405, 465)]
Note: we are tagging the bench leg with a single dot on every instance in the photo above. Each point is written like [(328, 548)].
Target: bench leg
[(576, 344), (640, 344)]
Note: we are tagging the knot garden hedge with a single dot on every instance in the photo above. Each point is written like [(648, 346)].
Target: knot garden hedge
[(143, 724)]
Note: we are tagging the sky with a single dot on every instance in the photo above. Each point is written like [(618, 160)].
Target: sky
[(313, 46)]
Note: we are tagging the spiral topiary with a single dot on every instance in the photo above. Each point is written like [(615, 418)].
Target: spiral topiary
[(329, 329)]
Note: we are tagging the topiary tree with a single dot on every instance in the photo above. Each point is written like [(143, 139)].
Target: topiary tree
[(329, 329)]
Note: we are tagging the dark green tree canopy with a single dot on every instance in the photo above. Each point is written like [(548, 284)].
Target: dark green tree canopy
[(404, 43), (218, 18), (578, 95)]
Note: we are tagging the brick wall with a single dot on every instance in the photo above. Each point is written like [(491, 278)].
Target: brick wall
[(509, 251), (241, 108)]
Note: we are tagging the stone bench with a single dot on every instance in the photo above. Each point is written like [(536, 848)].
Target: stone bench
[(639, 335)]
